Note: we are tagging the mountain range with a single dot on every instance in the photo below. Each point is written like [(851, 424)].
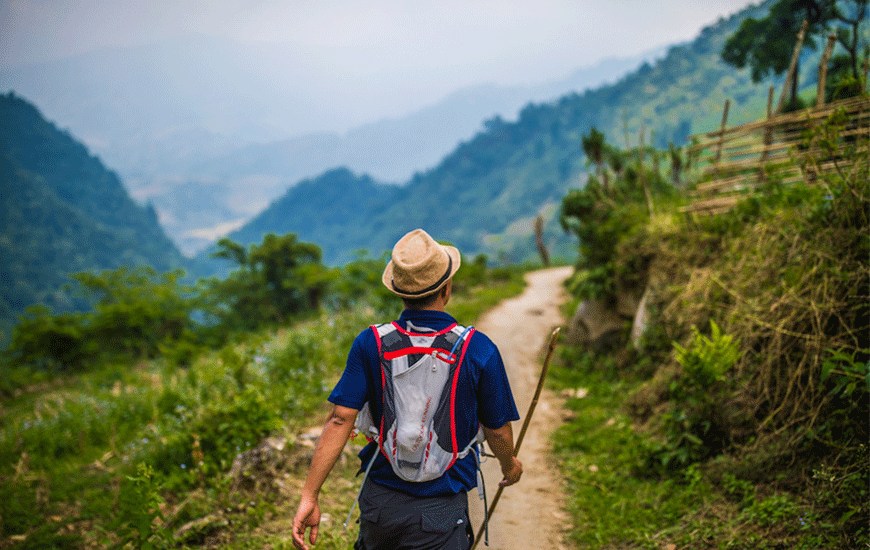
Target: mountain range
[(485, 195), (206, 113), (66, 212)]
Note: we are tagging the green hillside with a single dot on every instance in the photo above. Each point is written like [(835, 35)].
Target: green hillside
[(485, 195), (63, 212), (331, 210)]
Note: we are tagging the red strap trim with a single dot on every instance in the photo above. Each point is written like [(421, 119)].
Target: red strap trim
[(453, 398), (440, 332), (443, 355), (383, 391)]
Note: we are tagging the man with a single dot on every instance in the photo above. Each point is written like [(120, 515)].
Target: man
[(396, 513)]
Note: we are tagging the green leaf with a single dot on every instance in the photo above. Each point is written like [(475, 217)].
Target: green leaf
[(845, 517), (827, 367), (143, 525)]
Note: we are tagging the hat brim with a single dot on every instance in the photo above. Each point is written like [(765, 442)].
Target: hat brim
[(455, 257)]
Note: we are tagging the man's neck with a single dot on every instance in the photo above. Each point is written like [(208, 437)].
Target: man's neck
[(432, 307)]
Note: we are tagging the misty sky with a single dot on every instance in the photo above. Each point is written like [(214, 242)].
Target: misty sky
[(443, 43)]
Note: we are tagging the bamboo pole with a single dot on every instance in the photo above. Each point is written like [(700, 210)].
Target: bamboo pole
[(768, 137), (539, 241), (793, 65), (866, 71), (850, 105), (823, 69), (640, 172), (625, 127), (721, 138)]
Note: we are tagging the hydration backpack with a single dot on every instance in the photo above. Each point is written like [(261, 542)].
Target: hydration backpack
[(419, 375), (417, 432)]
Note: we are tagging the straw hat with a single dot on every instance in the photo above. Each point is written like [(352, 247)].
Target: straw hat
[(419, 266)]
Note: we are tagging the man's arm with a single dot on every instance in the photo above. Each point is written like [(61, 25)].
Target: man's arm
[(335, 434), (501, 441)]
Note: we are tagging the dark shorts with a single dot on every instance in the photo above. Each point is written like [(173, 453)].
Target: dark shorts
[(391, 520)]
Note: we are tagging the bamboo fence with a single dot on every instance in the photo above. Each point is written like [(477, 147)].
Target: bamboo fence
[(742, 159)]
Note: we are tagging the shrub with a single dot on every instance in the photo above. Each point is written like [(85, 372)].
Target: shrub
[(690, 424), (135, 312), (138, 520)]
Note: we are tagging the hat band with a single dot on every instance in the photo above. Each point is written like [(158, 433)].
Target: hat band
[(428, 289)]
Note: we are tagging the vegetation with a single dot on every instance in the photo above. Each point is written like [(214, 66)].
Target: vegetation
[(275, 280), (134, 313), (127, 447), (619, 200), (749, 391)]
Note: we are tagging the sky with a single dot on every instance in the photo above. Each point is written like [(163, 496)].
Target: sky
[(443, 44)]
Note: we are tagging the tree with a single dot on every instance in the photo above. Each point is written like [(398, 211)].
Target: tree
[(595, 148), (766, 45), (275, 280), (845, 71), (135, 313)]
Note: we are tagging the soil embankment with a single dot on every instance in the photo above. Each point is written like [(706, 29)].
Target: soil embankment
[(528, 514)]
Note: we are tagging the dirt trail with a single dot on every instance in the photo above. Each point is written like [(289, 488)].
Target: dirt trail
[(528, 514)]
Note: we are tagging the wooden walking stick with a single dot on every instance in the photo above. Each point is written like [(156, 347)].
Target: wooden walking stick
[(550, 348)]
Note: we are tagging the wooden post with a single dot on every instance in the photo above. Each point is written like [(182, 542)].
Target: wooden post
[(823, 69), (770, 102), (539, 240), (721, 139), (866, 70), (641, 152), (768, 137), (792, 66)]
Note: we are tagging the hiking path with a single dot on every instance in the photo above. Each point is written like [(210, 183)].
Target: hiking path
[(529, 514)]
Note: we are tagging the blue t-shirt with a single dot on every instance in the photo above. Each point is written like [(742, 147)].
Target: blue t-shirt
[(483, 396)]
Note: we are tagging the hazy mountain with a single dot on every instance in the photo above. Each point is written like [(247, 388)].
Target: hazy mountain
[(393, 149), (207, 112), (485, 194), (389, 150), (63, 212), (337, 210)]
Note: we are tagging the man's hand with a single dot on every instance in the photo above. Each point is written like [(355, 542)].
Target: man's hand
[(307, 515), (501, 441), (512, 471)]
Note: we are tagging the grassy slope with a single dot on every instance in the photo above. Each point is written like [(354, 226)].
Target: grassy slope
[(786, 275), (68, 447)]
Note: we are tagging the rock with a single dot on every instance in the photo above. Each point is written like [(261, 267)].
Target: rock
[(261, 464), (641, 320), (627, 302), (594, 324), (578, 393)]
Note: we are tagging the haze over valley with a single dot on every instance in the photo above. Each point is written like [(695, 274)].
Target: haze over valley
[(210, 124)]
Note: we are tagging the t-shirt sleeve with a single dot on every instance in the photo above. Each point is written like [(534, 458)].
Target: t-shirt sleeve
[(495, 400), (352, 389)]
